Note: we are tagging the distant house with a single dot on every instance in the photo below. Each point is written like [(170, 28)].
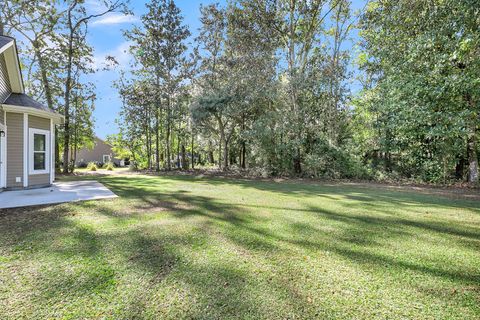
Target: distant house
[(101, 153), (27, 128)]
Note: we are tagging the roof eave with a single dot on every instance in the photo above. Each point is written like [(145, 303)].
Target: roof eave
[(56, 117), (6, 46)]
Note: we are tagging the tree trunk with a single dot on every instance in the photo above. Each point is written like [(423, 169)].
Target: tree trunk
[(178, 152), (73, 155), (157, 115), (169, 165), (192, 153), (472, 143), (66, 143), (210, 157), (297, 162), (184, 160), (210, 153), (225, 154), (243, 154), (460, 168), (472, 156), (297, 166), (149, 142), (220, 153), (57, 151), (157, 139)]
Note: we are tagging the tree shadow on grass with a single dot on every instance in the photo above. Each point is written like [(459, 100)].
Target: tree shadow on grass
[(359, 193), (155, 251), (357, 228), (364, 232)]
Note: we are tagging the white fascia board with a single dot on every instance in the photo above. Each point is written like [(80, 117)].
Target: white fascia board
[(13, 68), (57, 118), (8, 45)]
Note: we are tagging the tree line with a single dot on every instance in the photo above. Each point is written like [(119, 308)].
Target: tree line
[(266, 86)]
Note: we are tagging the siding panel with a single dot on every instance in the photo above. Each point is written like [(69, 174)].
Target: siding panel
[(5, 88), (96, 154), (14, 149), (38, 123), (38, 180)]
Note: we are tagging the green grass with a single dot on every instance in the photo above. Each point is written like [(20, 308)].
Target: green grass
[(216, 248)]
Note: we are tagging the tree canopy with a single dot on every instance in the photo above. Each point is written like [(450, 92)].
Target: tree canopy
[(267, 86)]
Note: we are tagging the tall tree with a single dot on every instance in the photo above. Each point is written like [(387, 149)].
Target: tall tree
[(37, 23), (161, 50), (76, 22), (425, 55)]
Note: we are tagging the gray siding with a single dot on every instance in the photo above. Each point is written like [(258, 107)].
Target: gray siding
[(38, 123), (96, 154), (5, 88), (38, 180), (14, 149), (44, 124)]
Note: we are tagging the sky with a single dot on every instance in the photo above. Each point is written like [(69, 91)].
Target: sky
[(106, 37)]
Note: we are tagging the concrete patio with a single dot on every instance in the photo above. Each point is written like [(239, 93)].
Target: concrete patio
[(59, 192)]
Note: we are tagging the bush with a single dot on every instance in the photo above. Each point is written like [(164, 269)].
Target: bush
[(327, 161), (82, 165), (92, 166), (109, 166)]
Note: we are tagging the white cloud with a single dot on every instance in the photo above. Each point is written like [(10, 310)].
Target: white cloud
[(120, 53), (94, 6), (114, 18)]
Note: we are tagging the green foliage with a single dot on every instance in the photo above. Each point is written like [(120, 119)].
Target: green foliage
[(92, 166), (422, 113), (110, 166), (328, 161)]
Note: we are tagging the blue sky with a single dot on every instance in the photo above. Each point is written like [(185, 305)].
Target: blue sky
[(107, 39)]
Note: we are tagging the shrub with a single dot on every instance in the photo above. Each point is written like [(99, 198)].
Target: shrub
[(82, 164), (109, 166), (328, 161), (92, 166)]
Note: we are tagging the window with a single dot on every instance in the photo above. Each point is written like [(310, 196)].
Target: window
[(39, 157), (106, 158)]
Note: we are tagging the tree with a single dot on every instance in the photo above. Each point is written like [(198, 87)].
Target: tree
[(76, 22), (161, 51), (424, 56), (37, 23)]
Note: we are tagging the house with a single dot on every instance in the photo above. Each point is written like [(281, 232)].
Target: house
[(27, 128), (101, 153)]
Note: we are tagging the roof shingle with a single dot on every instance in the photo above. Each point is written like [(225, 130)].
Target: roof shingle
[(22, 100), (4, 41)]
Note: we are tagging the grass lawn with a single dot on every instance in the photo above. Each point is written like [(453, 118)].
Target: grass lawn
[(216, 248)]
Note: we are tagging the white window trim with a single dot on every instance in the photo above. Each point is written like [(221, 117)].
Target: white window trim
[(3, 159), (25, 150), (31, 134), (109, 158), (52, 154)]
